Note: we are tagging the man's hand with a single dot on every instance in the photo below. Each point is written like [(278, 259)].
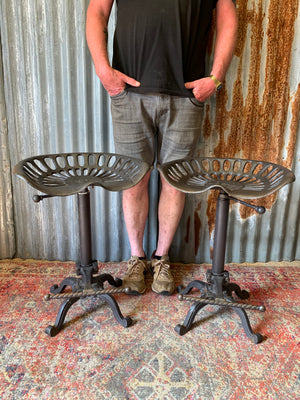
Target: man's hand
[(202, 88), (115, 81)]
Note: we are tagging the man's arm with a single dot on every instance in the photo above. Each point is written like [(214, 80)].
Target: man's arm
[(96, 34), (226, 33)]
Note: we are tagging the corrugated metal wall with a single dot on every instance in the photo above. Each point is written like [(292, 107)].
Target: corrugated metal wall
[(7, 237), (51, 101)]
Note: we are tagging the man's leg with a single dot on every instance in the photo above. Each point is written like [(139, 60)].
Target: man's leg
[(170, 208), (135, 209), (134, 136), (179, 130)]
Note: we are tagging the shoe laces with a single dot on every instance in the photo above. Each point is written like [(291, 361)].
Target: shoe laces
[(162, 269), (135, 268)]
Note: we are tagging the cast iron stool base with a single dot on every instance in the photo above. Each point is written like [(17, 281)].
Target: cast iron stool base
[(218, 289), (88, 284), (209, 295), (91, 285)]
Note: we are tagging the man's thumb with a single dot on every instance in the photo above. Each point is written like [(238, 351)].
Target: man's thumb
[(188, 85), (132, 82)]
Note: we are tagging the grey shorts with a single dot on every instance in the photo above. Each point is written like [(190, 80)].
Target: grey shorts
[(150, 125)]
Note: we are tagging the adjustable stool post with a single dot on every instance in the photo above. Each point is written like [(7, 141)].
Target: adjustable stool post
[(221, 221), (85, 236)]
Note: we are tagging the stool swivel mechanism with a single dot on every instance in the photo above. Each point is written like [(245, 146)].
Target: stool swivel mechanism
[(245, 179)]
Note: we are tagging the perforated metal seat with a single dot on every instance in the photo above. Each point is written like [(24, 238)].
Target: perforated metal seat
[(246, 179), (69, 173)]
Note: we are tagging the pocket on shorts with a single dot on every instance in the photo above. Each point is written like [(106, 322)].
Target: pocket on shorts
[(119, 95), (196, 102)]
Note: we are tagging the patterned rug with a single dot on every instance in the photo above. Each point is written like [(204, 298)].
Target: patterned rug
[(94, 357)]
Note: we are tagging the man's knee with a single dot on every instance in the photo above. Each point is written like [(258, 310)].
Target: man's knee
[(171, 190), (140, 188)]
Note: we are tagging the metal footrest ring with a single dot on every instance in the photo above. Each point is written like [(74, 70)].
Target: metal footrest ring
[(221, 302), (85, 293)]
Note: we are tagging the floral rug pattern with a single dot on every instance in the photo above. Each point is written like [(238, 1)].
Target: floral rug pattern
[(94, 357)]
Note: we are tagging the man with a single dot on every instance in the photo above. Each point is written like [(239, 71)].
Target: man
[(157, 85)]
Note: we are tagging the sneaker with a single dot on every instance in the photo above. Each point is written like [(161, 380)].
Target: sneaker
[(163, 281), (134, 279)]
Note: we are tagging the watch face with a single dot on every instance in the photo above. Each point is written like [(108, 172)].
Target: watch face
[(219, 87)]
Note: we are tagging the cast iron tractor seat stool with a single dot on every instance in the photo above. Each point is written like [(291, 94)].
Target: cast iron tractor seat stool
[(246, 179), (72, 173)]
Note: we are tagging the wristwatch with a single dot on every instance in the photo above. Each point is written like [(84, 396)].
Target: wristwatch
[(218, 84)]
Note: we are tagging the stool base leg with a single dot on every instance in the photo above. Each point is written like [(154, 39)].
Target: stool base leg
[(217, 286), (86, 281), (53, 330)]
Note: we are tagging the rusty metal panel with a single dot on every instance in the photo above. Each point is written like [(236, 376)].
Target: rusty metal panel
[(55, 103), (256, 116)]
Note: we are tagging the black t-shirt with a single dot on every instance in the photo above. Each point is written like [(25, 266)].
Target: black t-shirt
[(162, 43)]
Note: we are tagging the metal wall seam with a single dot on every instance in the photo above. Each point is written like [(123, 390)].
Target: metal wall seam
[(7, 234)]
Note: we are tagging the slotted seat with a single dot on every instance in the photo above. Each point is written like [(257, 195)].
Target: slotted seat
[(70, 173), (73, 173), (245, 179)]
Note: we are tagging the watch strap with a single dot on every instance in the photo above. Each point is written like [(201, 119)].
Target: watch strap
[(217, 83)]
